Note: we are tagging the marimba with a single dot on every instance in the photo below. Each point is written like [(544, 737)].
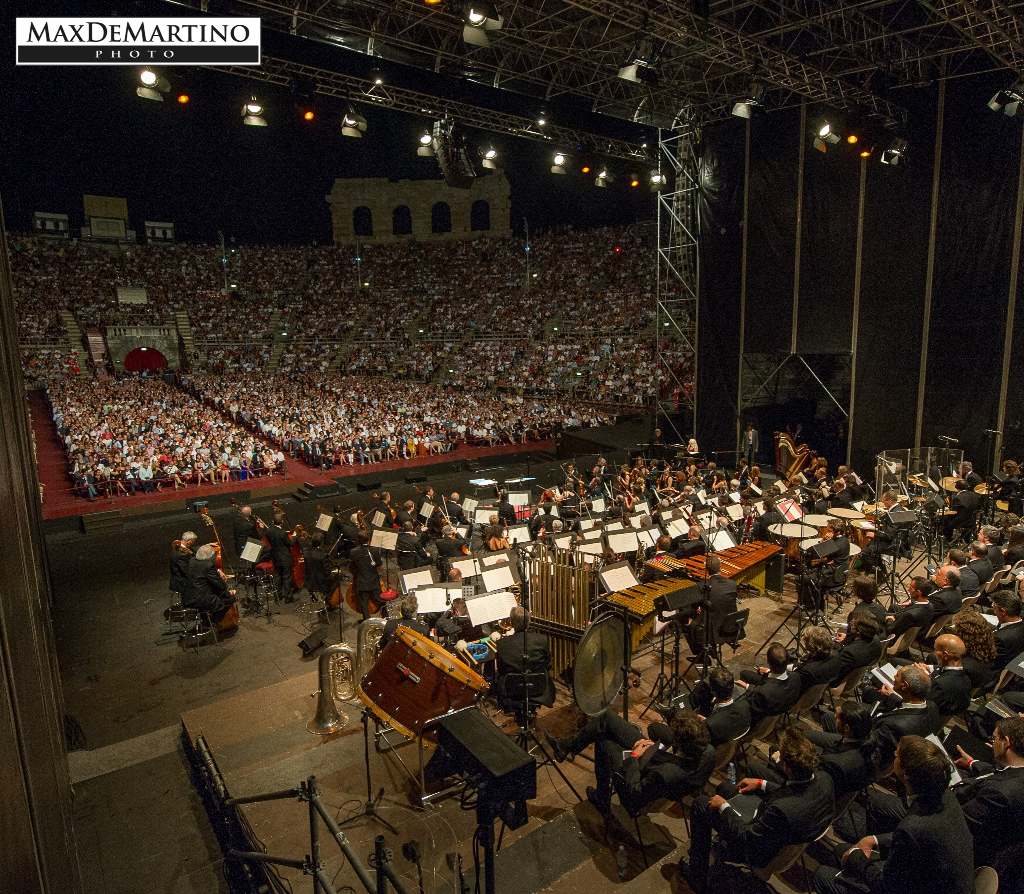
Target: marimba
[(746, 564), (638, 603)]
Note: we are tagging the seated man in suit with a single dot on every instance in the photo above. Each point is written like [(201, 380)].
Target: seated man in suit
[(207, 589), (950, 689), (849, 727), (913, 716), (691, 545), (819, 662), (969, 583), (774, 691), (859, 646), (718, 602), (510, 660), (992, 797), (760, 817), (409, 550), (915, 613), (674, 760), (927, 837), (727, 717), (408, 608), (966, 503), (1010, 632), (980, 563), (865, 591)]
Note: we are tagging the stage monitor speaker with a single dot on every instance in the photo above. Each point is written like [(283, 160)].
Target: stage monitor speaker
[(415, 479), (369, 485), (313, 642)]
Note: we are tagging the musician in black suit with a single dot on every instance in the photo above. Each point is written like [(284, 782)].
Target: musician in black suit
[(365, 566), (950, 689), (453, 508), (760, 817), (966, 503), (773, 692), (946, 599), (992, 797), (243, 528), (771, 516), (405, 513), (691, 545), (980, 563), (914, 716), (819, 662), (208, 591), (1010, 632), (846, 730), (718, 599), (510, 659), (182, 551), (317, 578), (674, 760), (917, 612), (506, 511), (927, 835), (409, 549), (992, 538), (860, 645), (865, 591), (408, 608), (281, 556), (727, 717)]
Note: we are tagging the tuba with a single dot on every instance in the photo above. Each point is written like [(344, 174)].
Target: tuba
[(336, 663), (367, 647)]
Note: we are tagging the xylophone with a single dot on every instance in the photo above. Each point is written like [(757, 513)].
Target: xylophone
[(638, 602), (746, 564)]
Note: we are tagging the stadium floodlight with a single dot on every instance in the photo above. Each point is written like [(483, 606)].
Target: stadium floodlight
[(152, 86), (490, 158), (353, 124), (558, 163), (895, 153), (426, 145), (1010, 101), (480, 16), (252, 113), (603, 178), (640, 64)]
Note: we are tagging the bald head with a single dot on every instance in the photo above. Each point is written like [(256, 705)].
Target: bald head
[(950, 650)]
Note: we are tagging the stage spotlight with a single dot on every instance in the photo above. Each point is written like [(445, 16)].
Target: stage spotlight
[(184, 99), (585, 169), (895, 153), (754, 103), (377, 76), (480, 16), (152, 86), (353, 124), (1010, 101), (634, 181), (852, 139), (490, 159), (558, 163), (604, 177), (308, 115), (432, 2), (639, 72), (658, 180), (542, 119), (825, 135), (252, 113), (425, 149), (867, 151)]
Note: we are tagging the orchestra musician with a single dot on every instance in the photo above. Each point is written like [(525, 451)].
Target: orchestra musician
[(281, 555), (208, 590), (243, 528), (506, 511), (181, 554), (365, 573), (408, 609), (510, 658), (409, 550), (318, 580)]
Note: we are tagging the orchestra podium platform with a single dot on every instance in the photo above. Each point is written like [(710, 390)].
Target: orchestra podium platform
[(256, 742)]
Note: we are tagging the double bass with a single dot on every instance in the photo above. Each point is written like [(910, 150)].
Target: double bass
[(230, 619)]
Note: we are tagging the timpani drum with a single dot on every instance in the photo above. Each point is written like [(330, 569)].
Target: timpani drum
[(847, 514), (789, 536), (414, 681), (861, 532), (821, 522)]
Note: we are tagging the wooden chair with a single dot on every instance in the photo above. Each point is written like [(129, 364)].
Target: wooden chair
[(937, 625)]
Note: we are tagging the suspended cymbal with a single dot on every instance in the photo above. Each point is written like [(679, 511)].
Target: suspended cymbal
[(948, 483)]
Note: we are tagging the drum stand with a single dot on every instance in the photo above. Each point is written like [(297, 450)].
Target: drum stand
[(370, 806)]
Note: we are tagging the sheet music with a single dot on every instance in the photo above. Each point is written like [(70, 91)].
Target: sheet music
[(618, 577), (614, 526), (702, 495), (469, 567), (562, 541), (377, 521), (252, 551), (591, 548), (723, 539), (462, 531), (469, 505), (592, 534), (597, 504), (519, 534), (678, 528), (586, 524), (482, 516), (954, 775), (519, 498), (735, 512), (622, 542), (384, 539), (755, 489), (642, 507), (417, 577), (426, 510), (648, 536), (490, 607), (431, 600), (498, 578), (323, 523), (490, 559), (735, 496), (636, 521)]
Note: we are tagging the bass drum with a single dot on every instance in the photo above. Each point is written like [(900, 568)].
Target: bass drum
[(597, 675)]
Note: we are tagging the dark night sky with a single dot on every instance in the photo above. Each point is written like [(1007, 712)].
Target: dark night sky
[(69, 131)]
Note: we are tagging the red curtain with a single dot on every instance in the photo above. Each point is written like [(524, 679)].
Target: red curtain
[(144, 360)]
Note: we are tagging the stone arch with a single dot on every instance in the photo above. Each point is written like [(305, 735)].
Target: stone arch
[(362, 221), (401, 221), (441, 218), (480, 216)]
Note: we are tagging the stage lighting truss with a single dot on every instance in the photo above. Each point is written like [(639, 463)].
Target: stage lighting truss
[(152, 86), (252, 113), (489, 158), (895, 153), (753, 103), (480, 17)]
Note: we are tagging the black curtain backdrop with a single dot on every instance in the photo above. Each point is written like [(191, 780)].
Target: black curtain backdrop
[(721, 206), (774, 148), (827, 252), (894, 262), (977, 196)]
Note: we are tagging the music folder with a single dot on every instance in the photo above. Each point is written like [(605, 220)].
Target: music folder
[(252, 551), (618, 576), (323, 522), (384, 539)]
